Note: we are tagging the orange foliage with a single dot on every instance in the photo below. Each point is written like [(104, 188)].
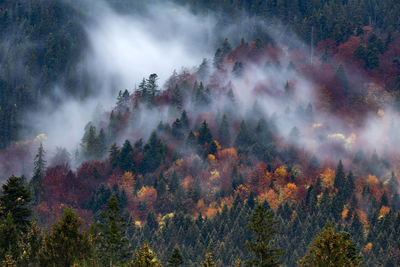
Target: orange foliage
[(372, 181), (188, 183), (228, 154), (383, 211), (271, 197), (368, 248), (148, 195), (363, 217), (281, 174), (290, 192), (328, 177), (345, 212)]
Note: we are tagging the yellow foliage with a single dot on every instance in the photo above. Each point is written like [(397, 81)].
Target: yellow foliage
[(179, 162), (211, 158), (243, 191), (218, 145), (281, 173), (214, 175), (345, 212), (372, 180), (328, 177), (384, 210)]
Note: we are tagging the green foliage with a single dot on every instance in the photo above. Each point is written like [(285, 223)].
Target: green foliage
[(112, 242), (262, 223), (331, 249), (65, 244), (176, 258), (14, 201)]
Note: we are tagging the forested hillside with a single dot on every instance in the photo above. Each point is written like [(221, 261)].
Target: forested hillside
[(282, 143)]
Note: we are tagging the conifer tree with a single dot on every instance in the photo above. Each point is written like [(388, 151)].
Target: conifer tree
[(223, 132), (114, 156), (15, 199), (38, 173), (331, 249), (262, 224), (113, 244), (176, 258), (145, 257), (65, 244), (204, 134)]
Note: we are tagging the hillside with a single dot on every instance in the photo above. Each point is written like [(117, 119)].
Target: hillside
[(299, 118)]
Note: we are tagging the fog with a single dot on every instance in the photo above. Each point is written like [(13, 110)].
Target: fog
[(125, 47)]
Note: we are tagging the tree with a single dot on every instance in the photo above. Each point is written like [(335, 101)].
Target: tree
[(224, 133), (331, 249), (262, 223), (208, 261), (205, 135), (176, 258), (65, 244), (15, 199), (126, 162), (8, 237), (114, 156), (145, 257), (113, 243), (30, 244), (39, 167)]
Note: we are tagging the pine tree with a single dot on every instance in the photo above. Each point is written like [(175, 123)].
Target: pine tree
[(262, 223), (126, 159), (176, 258), (113, 243), (38, 173), (15, 199), (204, 134), (331, 249), (224, 133), (65, 245), (114, 156)]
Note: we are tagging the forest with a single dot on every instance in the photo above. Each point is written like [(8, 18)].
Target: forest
[(278, 147)]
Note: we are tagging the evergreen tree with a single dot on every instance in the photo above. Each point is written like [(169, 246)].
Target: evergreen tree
[(126, 157), (176, 258), (113, 243), (224, 133), (114, 156), (331, 249), (205, 135), (15, 199), (38, 173), (8, 237), (262, 224), (65, 245)]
